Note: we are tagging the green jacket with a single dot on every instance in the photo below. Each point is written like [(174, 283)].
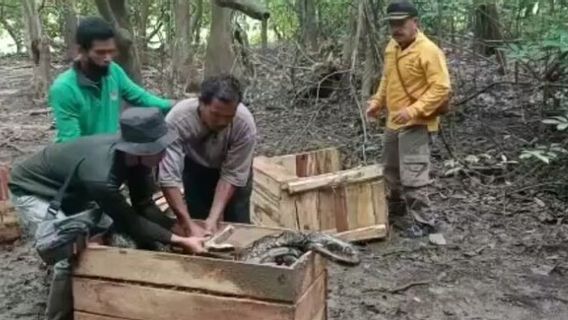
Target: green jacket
[(82, 107)]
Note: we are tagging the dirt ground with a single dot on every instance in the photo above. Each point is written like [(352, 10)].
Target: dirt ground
[(507, 249)]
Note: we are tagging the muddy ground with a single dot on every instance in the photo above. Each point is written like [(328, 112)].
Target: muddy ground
[(507, 237)]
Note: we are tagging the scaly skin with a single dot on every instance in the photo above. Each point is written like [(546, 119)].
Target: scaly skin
[(273, 247)]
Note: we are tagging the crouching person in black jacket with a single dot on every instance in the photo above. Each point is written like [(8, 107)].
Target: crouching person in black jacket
[(89, 171)]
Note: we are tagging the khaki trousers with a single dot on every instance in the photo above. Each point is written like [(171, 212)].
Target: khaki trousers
[(406, 160)]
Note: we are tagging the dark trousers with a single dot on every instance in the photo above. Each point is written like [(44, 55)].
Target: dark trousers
[(199, 185)]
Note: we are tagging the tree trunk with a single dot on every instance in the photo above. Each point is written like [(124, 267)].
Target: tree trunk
[(220, 56), (196, 18), (69, 27), (219, 53), (141, 30), (264, 34), (38, 47), (488, 32), (370, 69), (115, 12), (349, 39), (181, 46), (308, 23)]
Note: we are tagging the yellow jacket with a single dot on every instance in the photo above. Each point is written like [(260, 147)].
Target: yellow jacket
[(423, 69)]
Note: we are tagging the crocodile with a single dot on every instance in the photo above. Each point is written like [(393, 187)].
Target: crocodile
[(288, 246)]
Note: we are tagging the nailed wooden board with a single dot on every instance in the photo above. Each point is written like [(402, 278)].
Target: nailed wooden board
[(379, 202), (362, 234), (314, 298), (184, 271), (225, 277), (9, 224), (147, 303), (89, 316), (306, 207), (344, 177), (104, 300)]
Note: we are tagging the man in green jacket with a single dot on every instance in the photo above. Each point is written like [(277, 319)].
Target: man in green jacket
[(86, 99)]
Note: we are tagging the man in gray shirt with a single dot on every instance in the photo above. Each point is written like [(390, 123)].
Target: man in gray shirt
[(212, 159)]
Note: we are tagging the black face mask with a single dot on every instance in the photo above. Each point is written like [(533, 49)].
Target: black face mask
[(94, 71)]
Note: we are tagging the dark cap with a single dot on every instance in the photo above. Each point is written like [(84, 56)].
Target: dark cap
[(400, 10), (144, 131)]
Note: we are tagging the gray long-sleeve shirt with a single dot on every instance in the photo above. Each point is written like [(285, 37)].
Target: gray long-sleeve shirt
[(230, 150)]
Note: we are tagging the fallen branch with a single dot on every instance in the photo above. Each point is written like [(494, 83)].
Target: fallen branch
[(409, 285), (38, 112)]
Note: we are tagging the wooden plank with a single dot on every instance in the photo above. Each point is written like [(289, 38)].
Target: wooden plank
[(341, 221), (380, 207), (366, 213), (274, 199), (320, 315), (362, 234), (327, 208), (275, 171), (307, 210), (287, 161), (91, 316), (288, 212), (302, 165), (147, 303), (190, 272), (221, 276), (315, 297), (261, 218), (9, 225), (308, 269), (327, 161), (355, 175), (264, 202), (265, 181), (245, 234)]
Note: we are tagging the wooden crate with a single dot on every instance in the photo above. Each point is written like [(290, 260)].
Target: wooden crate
[(310, 191), (115, 283), (9, 227)]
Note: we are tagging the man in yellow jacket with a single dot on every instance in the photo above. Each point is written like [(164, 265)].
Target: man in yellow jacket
[(415, 82)]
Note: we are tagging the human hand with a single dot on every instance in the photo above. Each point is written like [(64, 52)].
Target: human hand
[(193, 244), (402, 116), (194, 230), (373, 109), (211, 226)]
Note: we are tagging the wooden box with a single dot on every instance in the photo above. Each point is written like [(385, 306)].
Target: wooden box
[(310, 191), (9, 227), (114, 283)]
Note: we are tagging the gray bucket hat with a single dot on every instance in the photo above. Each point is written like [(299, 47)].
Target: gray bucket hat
[(144, 131)]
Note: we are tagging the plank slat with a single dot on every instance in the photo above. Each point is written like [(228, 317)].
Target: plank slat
[(146, 303), (91, 316), (184, 271), (307, 211), (344, 177), (262, 218), (327, 208), (379, 202), (361, 234), (288, 212), (314, 298)]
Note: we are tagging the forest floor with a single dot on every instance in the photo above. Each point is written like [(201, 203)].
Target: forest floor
[(506, 255)]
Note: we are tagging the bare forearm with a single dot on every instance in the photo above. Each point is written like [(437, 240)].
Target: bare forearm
[(223, 193), (177, 204)]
